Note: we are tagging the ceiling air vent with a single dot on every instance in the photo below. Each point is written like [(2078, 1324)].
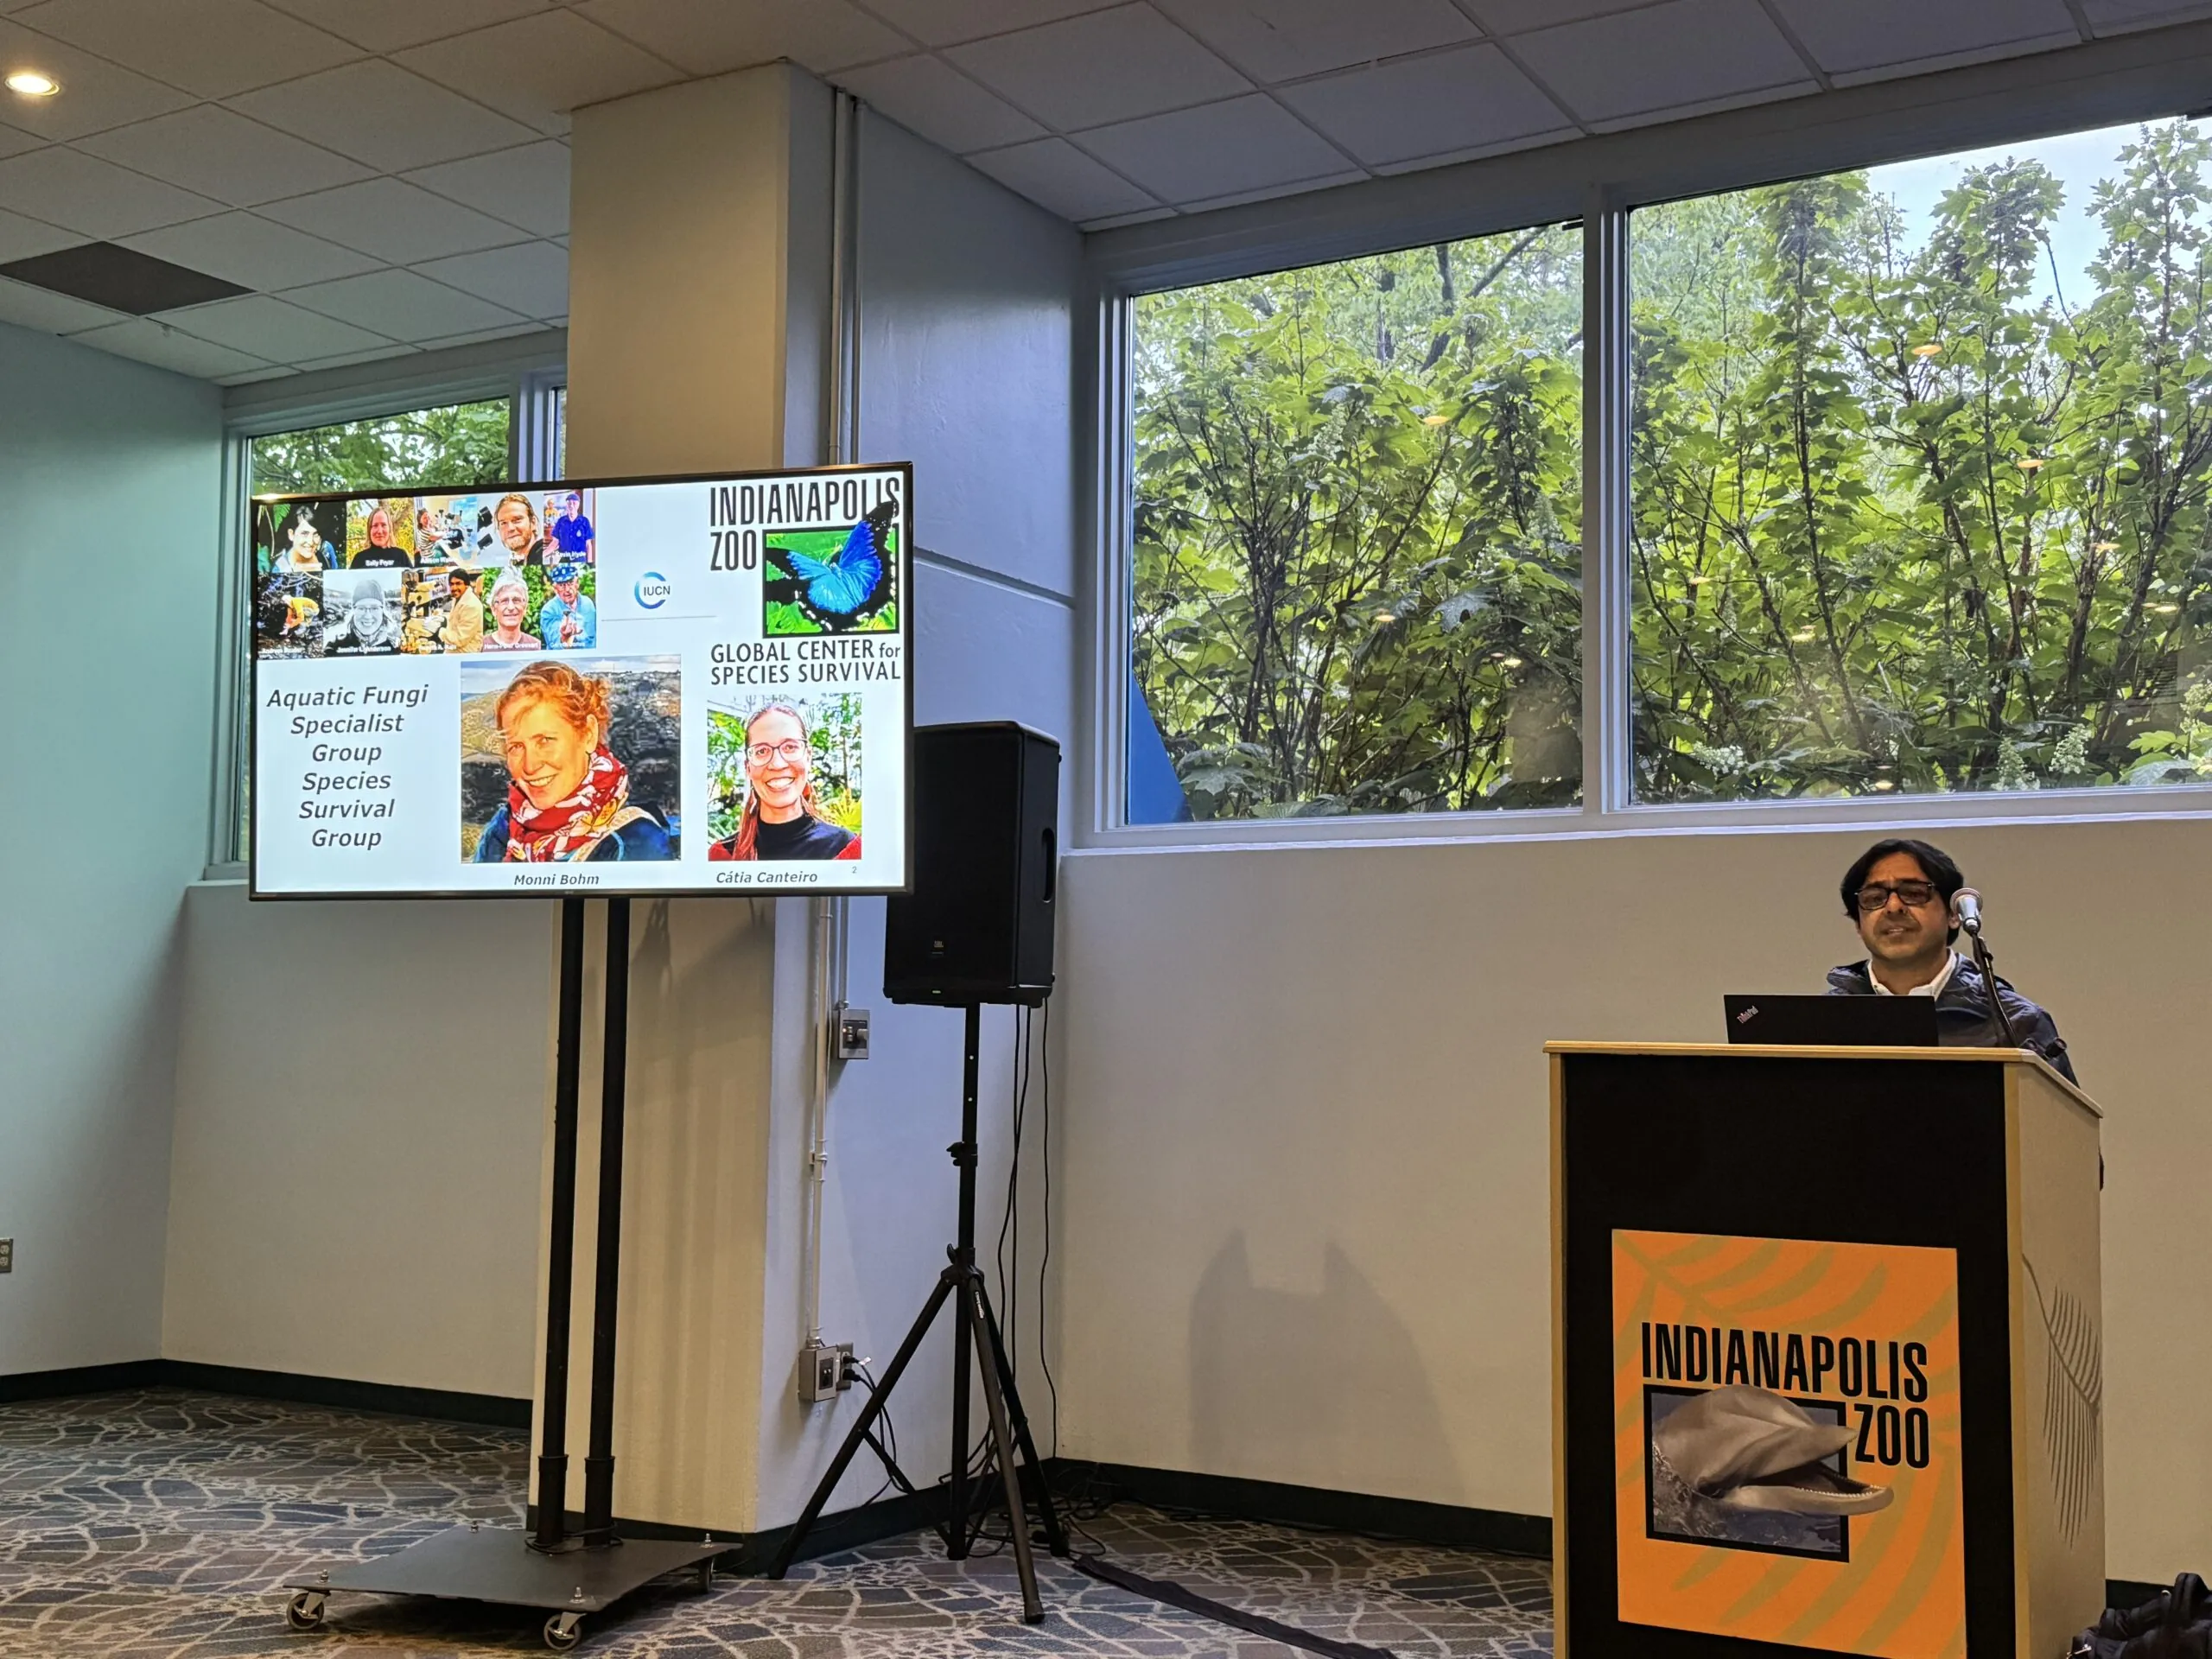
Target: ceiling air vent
[(120, 278)]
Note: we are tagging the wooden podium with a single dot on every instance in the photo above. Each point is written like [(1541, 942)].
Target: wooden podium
[(1873, 1272)]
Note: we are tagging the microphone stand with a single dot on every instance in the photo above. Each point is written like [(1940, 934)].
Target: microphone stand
[(1981, 961)]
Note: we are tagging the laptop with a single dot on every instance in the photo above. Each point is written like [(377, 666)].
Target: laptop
[(1834, 1021)]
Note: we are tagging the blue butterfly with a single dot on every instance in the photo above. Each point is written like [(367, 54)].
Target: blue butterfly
[(840, 585)]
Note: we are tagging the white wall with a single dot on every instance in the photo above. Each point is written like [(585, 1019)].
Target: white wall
[(354, 1191), (108, 582), (1305, 1174)]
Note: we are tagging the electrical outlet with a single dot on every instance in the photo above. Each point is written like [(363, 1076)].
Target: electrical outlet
[(7, 1256), (852, 1033), (822, 1367)]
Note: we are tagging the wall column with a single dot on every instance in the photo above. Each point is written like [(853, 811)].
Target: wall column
[(699, 258)]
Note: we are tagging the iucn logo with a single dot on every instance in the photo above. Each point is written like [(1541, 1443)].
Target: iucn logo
[(652, 590)]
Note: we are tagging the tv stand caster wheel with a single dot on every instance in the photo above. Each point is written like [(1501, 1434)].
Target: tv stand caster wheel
[(563, 1632), (304, 1612)]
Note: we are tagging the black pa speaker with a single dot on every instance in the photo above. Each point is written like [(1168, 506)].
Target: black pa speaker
[(978, 925)]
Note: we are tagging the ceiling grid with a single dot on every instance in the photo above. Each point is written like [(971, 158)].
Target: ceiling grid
[(391, 176)]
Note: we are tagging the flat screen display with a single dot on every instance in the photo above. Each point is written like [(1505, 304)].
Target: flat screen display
[(594, 687)]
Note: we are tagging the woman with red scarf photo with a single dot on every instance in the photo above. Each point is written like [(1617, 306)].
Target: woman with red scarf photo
[(568, 797)]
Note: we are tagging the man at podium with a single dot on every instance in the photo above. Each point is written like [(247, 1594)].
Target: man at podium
[(1900, 892)]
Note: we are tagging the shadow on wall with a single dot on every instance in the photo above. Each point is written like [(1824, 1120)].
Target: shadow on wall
[(1281, 1378)]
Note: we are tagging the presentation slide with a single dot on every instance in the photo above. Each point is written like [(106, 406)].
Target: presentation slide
[(695, 685)]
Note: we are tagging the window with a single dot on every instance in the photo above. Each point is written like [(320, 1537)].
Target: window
[(451, 443), (456, 443), (1358, 537), (1919, 462)]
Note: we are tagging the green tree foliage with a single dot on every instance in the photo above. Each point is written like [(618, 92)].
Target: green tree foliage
[(1357, 530), (458, 446), (1903, 520)]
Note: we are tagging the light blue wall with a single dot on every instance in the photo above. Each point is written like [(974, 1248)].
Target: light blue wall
[(968, 300), (110, 479)]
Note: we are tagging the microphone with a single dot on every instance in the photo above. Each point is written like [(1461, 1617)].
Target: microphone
[(1966, 910)]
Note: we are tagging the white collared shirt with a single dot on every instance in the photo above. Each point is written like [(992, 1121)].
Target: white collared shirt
[(1933, 988)]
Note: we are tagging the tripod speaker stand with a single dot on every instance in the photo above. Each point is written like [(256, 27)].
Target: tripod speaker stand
[(979, 1350)]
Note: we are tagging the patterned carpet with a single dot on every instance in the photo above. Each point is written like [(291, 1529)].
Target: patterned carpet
[(159, 1525)]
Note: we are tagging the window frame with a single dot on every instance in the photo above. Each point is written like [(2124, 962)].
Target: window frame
[(529, 377), (2155, 75)]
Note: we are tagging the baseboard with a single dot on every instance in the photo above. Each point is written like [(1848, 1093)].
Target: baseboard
[(446, 1405), (2133, 1592), (1314, 1506), (80, 1379)]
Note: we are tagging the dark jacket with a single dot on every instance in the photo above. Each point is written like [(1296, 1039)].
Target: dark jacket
[(1963, 1016), (641, 838)]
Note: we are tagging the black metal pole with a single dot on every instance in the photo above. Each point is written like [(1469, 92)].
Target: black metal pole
[(560, 1249), (963, 1262), (2008, 1037), (607, 1284), (1017, 1520)]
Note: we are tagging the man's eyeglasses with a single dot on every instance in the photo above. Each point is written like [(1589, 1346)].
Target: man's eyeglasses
[(792, 747), (1876, 894)]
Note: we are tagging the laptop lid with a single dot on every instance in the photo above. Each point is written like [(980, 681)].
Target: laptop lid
[(1834, 1021)]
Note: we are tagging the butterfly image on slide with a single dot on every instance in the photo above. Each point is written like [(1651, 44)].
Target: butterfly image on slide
[(834, 582)]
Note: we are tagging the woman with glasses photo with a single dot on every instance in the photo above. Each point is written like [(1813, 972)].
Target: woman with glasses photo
[(782, 819)]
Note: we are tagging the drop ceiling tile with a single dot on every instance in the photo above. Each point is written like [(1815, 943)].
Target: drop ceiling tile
[(26, 238), (348, 360), (2119, 16), (401, 305), (391, 221), (1282, 40), (1268, 193), (1106, 66), (389, 25), (268, 327), (165, 347), (274, 372), (252, 251), (211, 49), (478, 336), (14, 141), (1682, 55), (1910, 36), (532, 277), (1470, 99), (380, 113), (1514, 17), (1217, 150), (538, 69), (212, 150), (48, 312), (95, 93), (1061, 179), (1476, 153), (948, 22), (83, 193), (928, 96), (1117, 220), (527, 186), (708, 37)]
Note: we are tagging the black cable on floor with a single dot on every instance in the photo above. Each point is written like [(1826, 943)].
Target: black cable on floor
[(1174, 1595)]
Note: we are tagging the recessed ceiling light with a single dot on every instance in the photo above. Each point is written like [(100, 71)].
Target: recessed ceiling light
[(31, 84)]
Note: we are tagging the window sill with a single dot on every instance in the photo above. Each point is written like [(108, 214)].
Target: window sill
[(2115, 804)]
